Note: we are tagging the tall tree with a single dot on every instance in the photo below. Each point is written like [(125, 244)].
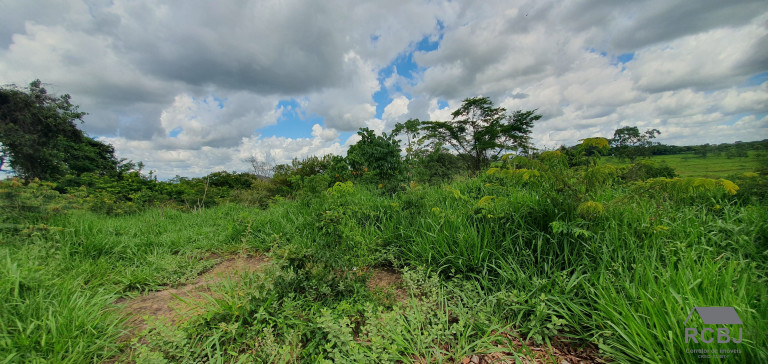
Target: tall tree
[(378, 155), (411, 130), (481, 132), (628, 142), (40, 139)]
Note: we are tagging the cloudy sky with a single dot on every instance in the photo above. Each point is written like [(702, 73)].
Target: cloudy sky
[(191, 87)]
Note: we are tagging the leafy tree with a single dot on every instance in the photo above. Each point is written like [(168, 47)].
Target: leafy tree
[(377, 156), (39, 137), (481, 131), (411, 129), (291, 177), (628, 142), (438, 165), (590, 150)]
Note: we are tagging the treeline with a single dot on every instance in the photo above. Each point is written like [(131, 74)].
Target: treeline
[(728, 150), (40, 141)]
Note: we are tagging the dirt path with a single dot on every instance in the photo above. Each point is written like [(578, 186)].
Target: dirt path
[(168, 306), (165, 305)]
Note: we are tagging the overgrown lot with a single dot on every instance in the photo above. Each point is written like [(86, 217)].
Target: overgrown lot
[(532, 251)]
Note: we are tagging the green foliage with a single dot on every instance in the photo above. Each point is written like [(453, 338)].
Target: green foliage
[(39, 137), (259, 194), (589, 151), (437, 166), (290, 178), (645, 169), (376, 158), (590, 210), (600, 176), (690, 190), (530, 252), (411, 129), (629, 143), (482, 132), (753, 186)]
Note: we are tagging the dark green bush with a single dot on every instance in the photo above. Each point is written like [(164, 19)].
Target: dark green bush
[(645, 169)]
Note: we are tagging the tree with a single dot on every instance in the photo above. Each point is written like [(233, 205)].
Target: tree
[(481, 132), (377, 156), (628, 142), (411, 130), (39, 137), (591, 149)]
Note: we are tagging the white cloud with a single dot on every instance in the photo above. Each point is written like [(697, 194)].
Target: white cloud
[(323, 133), (397, 108), (348, 106), (716, 58), (145, 70)]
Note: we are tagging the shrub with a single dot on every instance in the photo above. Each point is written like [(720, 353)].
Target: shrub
[(590, 210), (691, 190), (258, 195), (646, 169), (752, 186)]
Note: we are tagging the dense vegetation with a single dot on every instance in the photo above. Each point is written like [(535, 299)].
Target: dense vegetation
[(565, 247)]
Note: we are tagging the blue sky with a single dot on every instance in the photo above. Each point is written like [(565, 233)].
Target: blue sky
[(190, 91)]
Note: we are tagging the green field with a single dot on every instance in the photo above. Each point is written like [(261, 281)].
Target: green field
[(533, 262), (711, 166)]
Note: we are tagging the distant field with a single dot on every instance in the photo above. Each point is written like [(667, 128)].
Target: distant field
[(712, 166)]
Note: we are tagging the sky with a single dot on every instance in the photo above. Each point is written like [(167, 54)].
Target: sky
[(192, 87)]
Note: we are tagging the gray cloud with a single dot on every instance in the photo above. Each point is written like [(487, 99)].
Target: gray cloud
[(665, 20), (267, 47), (150, 73)]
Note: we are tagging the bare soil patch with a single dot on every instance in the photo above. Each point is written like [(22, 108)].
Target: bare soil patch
[(388, 280), (560, 352), (166, 305)]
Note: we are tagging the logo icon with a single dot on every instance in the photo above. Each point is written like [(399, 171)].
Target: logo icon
[(713, 316)]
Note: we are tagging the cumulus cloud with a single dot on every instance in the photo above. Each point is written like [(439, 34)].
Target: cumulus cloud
[(346, 108), (188, 86), (716, 58)]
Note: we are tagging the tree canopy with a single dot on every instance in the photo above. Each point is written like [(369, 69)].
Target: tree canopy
[(376, 154), (628, 142), (39, 137), (481, 131)]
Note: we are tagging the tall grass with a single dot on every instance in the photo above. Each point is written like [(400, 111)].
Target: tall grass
[(548, 256), (58, 283)]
